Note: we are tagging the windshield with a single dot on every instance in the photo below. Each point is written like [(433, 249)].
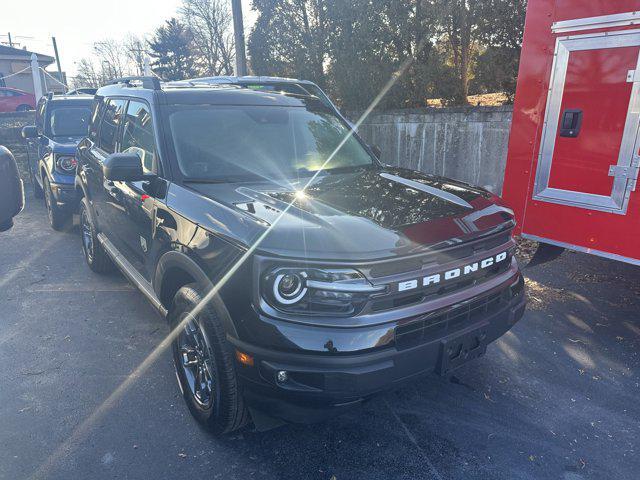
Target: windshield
[(241, 142), (69, 121)]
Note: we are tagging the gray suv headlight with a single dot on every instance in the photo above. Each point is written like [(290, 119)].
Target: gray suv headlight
[(329, 291)]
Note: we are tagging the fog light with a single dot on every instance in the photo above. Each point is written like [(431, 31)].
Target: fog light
[(282, 376)]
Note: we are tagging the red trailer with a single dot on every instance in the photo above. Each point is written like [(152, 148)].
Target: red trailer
[(574, 150)]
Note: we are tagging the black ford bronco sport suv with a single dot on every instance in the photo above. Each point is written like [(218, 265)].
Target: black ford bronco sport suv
[(299, 275)]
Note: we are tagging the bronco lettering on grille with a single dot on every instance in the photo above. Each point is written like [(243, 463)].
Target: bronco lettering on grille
[(453, 273)]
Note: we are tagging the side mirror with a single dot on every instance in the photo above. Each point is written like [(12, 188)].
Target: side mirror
[(123, 167), (11, 190), (376, 151), (30, 131)]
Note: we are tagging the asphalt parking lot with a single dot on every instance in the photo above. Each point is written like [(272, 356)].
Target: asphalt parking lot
[(556, 398)]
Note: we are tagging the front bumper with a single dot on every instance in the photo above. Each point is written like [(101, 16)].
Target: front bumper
[(322, 385)]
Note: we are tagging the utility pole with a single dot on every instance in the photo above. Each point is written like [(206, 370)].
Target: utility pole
[(10, 42), (238, 30), (55, 50)]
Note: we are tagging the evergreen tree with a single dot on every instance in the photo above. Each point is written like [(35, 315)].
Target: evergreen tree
[(171, 47), (353, 47)]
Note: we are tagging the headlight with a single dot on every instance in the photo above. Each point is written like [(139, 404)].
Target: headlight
[(66, 164), (317, 291), (289, 287)]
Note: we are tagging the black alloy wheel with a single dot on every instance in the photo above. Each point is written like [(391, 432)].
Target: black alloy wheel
[(94, 254), (58, 219), (197, 362), (205, 361), (87, 235), (37, 189)]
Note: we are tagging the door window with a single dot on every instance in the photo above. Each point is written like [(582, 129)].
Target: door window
[(137, 135), (111, 120)]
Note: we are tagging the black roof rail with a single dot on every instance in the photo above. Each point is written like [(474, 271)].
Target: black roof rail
[(147, 82)]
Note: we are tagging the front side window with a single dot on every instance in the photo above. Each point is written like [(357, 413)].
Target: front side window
[(247, 142), (137, 134), (114, 109)]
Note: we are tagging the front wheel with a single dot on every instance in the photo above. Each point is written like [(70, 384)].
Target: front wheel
[(23, 108), (37, 189), (95, 256), (204, 364), (58, 219)]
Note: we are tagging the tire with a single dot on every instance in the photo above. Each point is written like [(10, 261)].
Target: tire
[(58, 219), (95, 256), (37, 189), (225, 412), (23, 108)]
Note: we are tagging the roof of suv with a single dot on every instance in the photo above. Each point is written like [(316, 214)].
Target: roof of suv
[(69, 98), (246, 79), (194, 93)]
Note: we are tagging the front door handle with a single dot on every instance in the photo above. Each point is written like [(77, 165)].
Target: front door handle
[(570, 123)]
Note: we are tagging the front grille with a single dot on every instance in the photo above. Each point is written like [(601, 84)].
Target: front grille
[(460, 252), (449, 320), (397, 300)]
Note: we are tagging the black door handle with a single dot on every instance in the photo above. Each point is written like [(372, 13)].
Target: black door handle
[(570, 123)]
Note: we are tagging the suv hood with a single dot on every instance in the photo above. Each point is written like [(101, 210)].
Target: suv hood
[(365, 215), (64, 145)]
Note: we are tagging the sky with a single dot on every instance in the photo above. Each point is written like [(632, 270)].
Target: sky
[(77, 24)]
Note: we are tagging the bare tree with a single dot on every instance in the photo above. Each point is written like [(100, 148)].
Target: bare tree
[(112, 59), (460, 22), (88, 75), (211, 26), (136, 51)]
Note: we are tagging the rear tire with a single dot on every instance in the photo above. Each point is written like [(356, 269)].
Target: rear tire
[(205, 365), (95, 256), (58, 219), (23, 108)]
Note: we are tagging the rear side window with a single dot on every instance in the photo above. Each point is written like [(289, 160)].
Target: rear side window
[(107, 136), (137, 134)]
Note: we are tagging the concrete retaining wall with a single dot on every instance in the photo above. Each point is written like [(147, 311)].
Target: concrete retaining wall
[(464, 143)]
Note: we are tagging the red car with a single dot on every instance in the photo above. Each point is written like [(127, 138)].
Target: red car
[(14, 100)]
